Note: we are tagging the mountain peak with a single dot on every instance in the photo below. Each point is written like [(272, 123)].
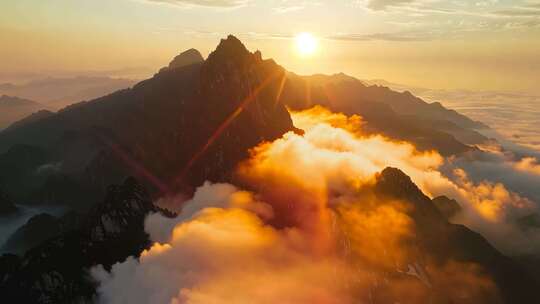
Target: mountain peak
[(396, 179), (394, 183), (232, 43), (188, 57), (230, 48), (15, 101)]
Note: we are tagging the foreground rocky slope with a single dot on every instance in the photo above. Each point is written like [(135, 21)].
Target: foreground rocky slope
[(445, 242), (55, 271)]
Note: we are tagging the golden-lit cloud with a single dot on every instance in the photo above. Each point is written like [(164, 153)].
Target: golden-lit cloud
[(231, 255), (311, 229), (335, 154), (528, 164)]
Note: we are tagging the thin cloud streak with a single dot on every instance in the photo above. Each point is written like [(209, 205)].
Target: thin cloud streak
[(206, 3)]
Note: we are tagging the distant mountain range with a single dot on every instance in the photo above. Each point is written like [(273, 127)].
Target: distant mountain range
[(14, 108), (175, 130), (56, 93), (194, 121), (161, 124), (397, 115), (513, 116)]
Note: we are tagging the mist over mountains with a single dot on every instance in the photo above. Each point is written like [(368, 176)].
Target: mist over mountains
[(320, 186), (512, 116), (14, 108), (58, 92)]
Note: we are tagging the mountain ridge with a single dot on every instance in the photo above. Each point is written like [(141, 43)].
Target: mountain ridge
[(13, 108), (159, 129), (178, 129)]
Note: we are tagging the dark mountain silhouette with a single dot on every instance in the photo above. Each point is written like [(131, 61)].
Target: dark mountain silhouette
[(18, 169), (55, 271), (36, 230), (14, 108), (397, 115), (448, 207), (181, 127), (444, 241), (194, 123), (12, 101), (32, 176), (36, 116), (189, 57), (6, 205)]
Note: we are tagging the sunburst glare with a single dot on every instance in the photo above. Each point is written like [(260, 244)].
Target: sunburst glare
[(306, 44)]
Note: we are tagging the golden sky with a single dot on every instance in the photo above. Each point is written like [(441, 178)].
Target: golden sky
[(484, 44)]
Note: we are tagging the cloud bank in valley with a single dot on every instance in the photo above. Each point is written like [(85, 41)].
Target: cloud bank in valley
[(311, 229)]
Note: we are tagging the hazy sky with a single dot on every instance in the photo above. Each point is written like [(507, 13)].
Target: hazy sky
[(484, 44)]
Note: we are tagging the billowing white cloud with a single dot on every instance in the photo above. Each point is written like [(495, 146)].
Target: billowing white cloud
[(312, 230)]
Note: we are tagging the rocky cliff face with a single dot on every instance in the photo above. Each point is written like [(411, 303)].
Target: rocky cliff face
[(175, 130), (240, 94), (441, 241), (55, 271)]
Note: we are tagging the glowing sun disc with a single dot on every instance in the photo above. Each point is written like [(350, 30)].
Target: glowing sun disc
[(306, 44)]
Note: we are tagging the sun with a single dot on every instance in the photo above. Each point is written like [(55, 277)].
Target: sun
[(306, 44)]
